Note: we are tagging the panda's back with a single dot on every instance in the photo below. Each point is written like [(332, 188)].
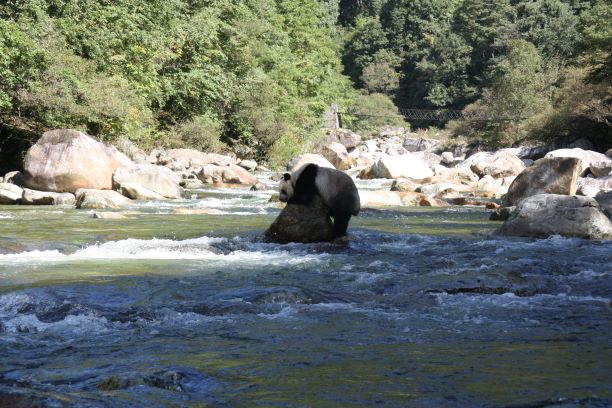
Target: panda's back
[(338, 190)]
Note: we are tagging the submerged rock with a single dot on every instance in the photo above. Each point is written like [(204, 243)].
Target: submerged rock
[(543, 215), (302, 223)]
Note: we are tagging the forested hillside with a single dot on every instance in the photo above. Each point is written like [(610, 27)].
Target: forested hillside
[(255, 76)]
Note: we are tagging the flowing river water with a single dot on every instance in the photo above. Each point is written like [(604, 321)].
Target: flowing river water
[(418, 307)]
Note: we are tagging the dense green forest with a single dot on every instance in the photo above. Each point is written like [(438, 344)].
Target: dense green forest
[(255, 76)]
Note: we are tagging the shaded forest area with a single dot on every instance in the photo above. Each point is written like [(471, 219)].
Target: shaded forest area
[(255, 76)]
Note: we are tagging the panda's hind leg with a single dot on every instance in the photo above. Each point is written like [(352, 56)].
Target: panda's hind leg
[(341, 225)]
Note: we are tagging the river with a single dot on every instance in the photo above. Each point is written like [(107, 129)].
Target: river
[(418, 307)]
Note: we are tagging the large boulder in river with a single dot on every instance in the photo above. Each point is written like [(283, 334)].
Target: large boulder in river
[(544, 215), (158, 179), (499, 164), (404, 166), (302, 223), (307, 158), (96, 199), (337, 155), (65, 160), (586, 156), (555, 175)]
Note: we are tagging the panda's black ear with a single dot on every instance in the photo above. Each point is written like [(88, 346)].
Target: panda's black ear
[(287, 176)]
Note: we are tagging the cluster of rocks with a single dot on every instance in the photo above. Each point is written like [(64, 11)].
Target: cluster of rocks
[(67, 167), (565, 191)]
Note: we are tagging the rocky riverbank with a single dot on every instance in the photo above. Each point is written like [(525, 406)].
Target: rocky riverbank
[(67, 167)]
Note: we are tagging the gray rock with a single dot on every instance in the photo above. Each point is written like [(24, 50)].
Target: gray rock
[(96, 199), (422, 144), (249, 165), (33, 197), (157, 179), (337, 155), (405, 166), (501, 214), (14, 177), (601, 168), (405, 185), (138, 192), (10, 193), (555, 175), (301, 223), (544, 215), (590, 187), (586, 157), (345, 137), (604, 198)]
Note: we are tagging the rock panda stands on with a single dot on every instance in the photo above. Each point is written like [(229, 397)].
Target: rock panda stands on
[(336, 189)]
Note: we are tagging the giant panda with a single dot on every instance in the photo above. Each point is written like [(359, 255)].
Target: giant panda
[(336, 189)]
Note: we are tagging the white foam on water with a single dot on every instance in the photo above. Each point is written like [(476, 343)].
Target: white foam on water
[(71, 324), (510, 300), (166, 249), (6, 216)]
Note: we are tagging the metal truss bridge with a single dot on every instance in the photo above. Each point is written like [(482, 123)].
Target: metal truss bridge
[(441, 115)]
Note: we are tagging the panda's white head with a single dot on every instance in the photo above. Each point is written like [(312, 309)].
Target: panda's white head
[(285, 191)]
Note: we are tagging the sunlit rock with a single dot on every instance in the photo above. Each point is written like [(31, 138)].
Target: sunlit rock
[(144, 178), (555, 175), (65, 160), (302, 223), (96, 199), (33, 197), (544, 215)]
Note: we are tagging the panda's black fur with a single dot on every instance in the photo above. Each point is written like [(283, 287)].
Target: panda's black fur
[(336, 189)]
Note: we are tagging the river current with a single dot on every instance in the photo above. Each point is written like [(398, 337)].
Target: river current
[(418, 307)]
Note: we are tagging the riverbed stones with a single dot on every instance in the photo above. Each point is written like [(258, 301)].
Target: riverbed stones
[(147, 180), (10, 193), (33, 197), (228, 174), (404, 166), (543, 215), (553, 175), (421, 144), (97, 199), (586, 157), (302, 223), (65, 160), (178, 159), (404, 185), (384, 198)]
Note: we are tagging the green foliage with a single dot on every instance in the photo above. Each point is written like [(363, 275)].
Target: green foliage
[(21, 61), (372, 112), (172, 71), (596, 45)]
